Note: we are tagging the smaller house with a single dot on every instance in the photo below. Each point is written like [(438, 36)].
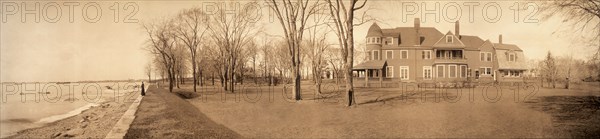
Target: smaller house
[(511, 63)]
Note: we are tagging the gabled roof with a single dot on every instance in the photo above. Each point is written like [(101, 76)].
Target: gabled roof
[(471, 42), (503, 63), (442, 43), (408, 35), (372, 64), (504, 46)]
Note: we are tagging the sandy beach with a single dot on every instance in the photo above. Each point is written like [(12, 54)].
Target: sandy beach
[(95, 122), (87, 120)]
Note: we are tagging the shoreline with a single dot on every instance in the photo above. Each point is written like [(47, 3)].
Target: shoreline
[(71, 113), (54, 118), (93, 120)]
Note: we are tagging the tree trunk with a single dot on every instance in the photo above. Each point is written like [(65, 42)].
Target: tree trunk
[(254, 69), (553, 82), (178, 79), (350, 56), (297, 77), (224, 77), (232, 75), (194, 71), (171, 80), (201, 78)]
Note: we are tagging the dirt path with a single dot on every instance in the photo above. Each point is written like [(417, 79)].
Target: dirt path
[(165, 115)]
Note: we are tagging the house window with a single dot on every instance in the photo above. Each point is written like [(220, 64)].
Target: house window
[(486, 70), (427, 72), (482, 56), (373, 40), (511, 57), (426, 54), (389, 41), (389, 54), (452, 71), (485, 56), (375, 54), (369, 55), (440, 71), (404, 54), (463, 71), (449, 39), (404, 72), (390, 71)]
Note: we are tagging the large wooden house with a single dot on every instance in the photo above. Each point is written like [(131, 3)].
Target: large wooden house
[(424, 54)]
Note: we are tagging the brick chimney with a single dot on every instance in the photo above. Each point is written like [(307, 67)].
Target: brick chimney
[(418, 32), (500, 39), (457, 29)]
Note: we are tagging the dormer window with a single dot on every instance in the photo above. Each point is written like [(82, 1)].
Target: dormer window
[(449, 39), (512, 57), (389, 41)]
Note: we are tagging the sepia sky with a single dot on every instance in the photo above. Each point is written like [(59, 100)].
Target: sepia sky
[(109, 50)]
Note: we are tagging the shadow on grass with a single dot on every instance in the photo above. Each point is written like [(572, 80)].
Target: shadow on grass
[(577, 115), (382, 99), (187, 94)]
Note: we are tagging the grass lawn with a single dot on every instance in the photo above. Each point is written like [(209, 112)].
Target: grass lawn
[(268, 112)]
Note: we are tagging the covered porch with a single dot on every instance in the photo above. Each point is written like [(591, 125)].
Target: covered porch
[(370, 71), (511, 74)]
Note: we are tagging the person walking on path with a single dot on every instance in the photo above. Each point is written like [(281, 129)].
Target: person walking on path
[(143, 91)]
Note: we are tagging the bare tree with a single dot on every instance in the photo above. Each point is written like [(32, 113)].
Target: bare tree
[(342, 13), (162, 44), (549, 69), (335, 62), (268, 58), (316, 46), (282, 61), (180, 56), (148, 71), (190, 29), (252, 53), (568, 63), (230, 33), (584, 16), (293, 17)]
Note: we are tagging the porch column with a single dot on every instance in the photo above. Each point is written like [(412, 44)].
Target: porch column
[(380, 78), (366, 77)]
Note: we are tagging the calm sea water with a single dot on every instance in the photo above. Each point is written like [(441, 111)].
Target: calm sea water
[(29, 105)]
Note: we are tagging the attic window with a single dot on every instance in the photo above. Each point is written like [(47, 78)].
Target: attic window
[(449, 39), (389, 41), (512, 57)]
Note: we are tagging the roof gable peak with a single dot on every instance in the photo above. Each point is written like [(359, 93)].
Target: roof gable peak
[(452, 42)]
